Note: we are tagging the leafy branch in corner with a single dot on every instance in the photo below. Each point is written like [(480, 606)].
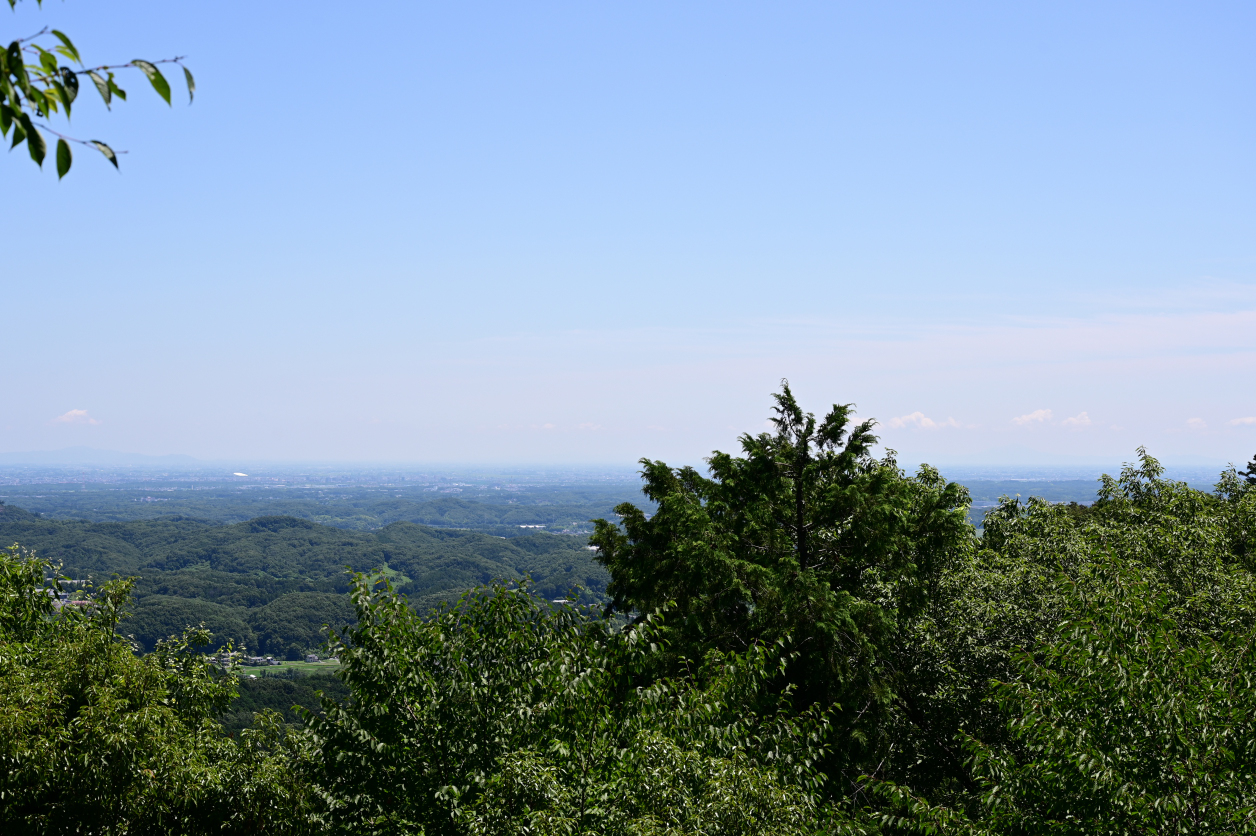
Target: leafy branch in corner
[(35, 85)]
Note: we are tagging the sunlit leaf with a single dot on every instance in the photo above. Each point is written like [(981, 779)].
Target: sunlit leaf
[(48, 61), (107, 151), (155, 78), (102, 87), (187, 74), (65, 39)]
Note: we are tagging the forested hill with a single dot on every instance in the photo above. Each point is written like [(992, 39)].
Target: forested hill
[(272, 582)]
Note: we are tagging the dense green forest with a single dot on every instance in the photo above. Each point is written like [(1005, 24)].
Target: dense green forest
[(801, 639), (272, 583), (285, 693)]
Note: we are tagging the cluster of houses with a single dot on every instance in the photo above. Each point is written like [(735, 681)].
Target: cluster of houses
[(62, 599), (225, 660)]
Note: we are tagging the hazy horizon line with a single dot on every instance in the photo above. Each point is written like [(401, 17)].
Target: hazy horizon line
[(100, 457)]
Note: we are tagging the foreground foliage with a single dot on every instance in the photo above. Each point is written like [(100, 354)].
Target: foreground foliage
[(1124, 723), (94, 739), (503, 714), (1127, 724), (1095, 672)]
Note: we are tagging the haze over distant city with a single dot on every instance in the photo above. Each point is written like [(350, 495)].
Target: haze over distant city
[(583, 234)]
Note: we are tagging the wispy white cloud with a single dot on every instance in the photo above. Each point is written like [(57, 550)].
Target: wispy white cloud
[(75, 416), (1239, 422), (1081, 419), (920, 421), (1038, 416), (1197, 423)]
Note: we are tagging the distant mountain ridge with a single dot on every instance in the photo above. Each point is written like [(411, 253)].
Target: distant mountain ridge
[(72, 456)]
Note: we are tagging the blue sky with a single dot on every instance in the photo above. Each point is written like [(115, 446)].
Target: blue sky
[(589, 232)]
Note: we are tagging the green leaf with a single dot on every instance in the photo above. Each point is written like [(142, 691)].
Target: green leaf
[(117, 91), (16, 67), (71, 83), (48, 61), (102, 87), (65, 39), (155, 78), (107, 151), (34, 141), (19, 134), (187, 75), (40, 100), (63, 158), (64, 95), (6, 119)]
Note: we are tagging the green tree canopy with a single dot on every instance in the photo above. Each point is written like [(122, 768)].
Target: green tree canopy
[(806, 535), (95, 739), (295, 624), (1120, 722), (156, 618), (1156, 595), (505, 715)]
